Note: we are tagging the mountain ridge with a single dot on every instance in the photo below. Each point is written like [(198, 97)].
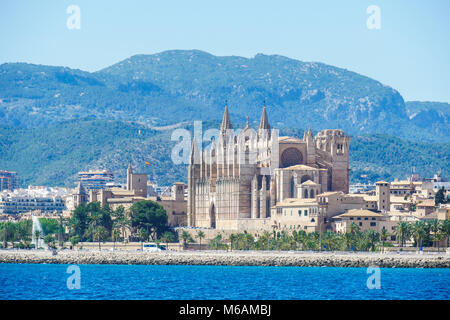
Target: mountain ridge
[(195, 84)]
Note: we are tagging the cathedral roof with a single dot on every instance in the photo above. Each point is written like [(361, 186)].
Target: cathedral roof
[(289, 140)]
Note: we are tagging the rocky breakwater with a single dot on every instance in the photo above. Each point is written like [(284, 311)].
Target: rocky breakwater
[(253, 258)]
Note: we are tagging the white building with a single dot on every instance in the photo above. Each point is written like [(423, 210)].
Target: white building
[(43, 199)]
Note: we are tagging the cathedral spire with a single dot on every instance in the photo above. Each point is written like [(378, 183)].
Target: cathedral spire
[(247, 124), (264, 123), (194, 152), (226, 123), (80, 189)]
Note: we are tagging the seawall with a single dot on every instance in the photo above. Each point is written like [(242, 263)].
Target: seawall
[(253, 258)]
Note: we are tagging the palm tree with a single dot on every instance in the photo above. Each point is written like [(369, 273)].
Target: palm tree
[(354, 228), (373, 237), (115, 236), (438, 236), (121, 220), (37, 235), (418, 232), (384, 234), (143, 236), (434, 226), (232, 238), (265, 238), (99, 235), (186, 237), (348, 240), (402, 232), (167, 237), (200, 235), (74, 240), (445, 227), (62, 224), (248, 240), (50, 241)]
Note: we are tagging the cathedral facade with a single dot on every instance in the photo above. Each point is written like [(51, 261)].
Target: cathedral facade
[(234, 183)]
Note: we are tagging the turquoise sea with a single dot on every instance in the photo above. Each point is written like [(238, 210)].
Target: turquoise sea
[(40, 281)]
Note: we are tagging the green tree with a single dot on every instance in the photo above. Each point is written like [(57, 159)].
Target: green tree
[(79, 222), (264, 240), (50, 241), (143, 236), (8, 233), (216, 243), (62, 224), (187, 238), (200, 235), (115, 235), (232, 238), (373, 237), (402, 231), (150, 216), (168, 237), (100, 234), (121, 221), (439, 197), (383, 236), (74, 240), (419, 232), (435, 228), (38, 236), (49, 226), (445, 229)]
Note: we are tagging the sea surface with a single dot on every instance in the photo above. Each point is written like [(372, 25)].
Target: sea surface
[(47, 281)]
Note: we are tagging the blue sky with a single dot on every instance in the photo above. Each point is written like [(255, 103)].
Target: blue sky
[(410, 52)]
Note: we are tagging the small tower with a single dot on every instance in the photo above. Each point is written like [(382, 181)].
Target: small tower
[(383, 194), (129, 174), (194, 172), (310, 148), (80, 195), (336, 144)]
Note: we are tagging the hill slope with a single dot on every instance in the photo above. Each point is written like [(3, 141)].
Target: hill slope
[(174, 86), (53, 155)]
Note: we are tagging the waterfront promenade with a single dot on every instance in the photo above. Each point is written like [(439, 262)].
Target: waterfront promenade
[(241, 258)]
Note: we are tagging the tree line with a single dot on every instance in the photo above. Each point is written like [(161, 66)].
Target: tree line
[(143, 221), (422, 234), (147, 220)]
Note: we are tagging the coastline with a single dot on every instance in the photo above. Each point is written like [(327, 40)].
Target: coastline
[(221, 258)]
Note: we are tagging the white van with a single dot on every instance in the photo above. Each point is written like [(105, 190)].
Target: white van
[(152, 247)]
